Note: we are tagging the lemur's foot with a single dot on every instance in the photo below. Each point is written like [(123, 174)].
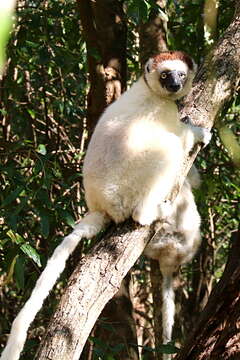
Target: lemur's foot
[(164, 209), (146, 215)]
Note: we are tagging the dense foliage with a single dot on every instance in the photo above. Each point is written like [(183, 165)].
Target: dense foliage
[(43, 134)]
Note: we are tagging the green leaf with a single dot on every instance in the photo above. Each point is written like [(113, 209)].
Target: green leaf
[(32, 113), (15, 237), (42, 149), (167, 349), (32, 44), (31, 253), (67, 217), (12, 196), (19, 272), (42, 197), (38, 167), (110, 357), (11, 271), (26, 248), (44, 223)]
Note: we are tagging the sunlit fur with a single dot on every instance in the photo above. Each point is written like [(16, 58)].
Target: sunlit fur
[(137, 148), (130, 167)]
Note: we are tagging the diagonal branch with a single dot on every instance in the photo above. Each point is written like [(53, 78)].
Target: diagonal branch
[(218, 77), (95, 280), (216, 81)]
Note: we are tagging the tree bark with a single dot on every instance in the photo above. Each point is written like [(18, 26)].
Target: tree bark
[(152, 34), (105, 32), (218, 77), (98, 276), (156, 284)]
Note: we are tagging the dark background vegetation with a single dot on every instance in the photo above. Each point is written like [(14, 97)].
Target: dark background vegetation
[(45, 114)]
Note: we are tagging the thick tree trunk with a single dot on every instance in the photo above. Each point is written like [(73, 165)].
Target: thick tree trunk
[(105, 32), (152, 34), (217, 334), (99, 274)]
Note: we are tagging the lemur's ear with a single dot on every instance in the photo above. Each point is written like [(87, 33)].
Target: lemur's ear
[(149, 66)]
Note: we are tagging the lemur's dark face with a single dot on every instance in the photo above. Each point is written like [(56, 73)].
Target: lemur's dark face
[(172, 77), (172, 80)]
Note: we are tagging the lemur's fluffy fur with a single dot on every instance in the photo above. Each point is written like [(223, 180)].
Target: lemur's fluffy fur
[(130, 167)]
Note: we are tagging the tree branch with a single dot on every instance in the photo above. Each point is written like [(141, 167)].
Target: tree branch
[(218, 77), (95, 280), (216, 81)]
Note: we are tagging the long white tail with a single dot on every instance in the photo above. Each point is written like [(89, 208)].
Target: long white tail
[(89, 226), (168, 310)]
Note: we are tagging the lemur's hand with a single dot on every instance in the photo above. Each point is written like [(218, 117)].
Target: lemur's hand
[(207, 135), (202, 135)]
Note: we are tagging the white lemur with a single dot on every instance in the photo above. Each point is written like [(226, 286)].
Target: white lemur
[(130, 167)]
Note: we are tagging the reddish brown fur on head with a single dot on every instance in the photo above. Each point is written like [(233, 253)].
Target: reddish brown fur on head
[(173, 55)]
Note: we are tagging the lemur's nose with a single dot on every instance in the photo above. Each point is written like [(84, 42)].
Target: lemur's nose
[(174, 87)]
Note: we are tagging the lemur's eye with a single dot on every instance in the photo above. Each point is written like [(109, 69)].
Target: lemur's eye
[(163, 75), (182, 75)]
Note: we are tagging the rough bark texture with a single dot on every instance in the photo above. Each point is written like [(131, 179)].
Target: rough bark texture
[(99, 275), (104, 30), (217, 334), (218, 77), (152, 34)]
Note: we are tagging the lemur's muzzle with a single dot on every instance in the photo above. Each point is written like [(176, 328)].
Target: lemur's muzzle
[(173, 81)]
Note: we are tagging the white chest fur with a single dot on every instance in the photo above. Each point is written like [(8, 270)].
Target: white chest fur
[(134, 154)]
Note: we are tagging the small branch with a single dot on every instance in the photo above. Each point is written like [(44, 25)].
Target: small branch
[(156, 282)]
